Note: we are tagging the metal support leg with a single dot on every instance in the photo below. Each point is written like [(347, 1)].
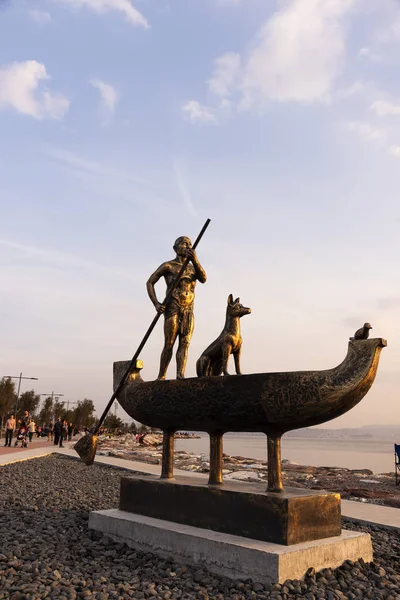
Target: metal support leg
[(274, 464), (167, 471), (216, 459)]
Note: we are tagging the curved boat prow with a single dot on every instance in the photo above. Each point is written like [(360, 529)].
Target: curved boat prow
[(357, 372)]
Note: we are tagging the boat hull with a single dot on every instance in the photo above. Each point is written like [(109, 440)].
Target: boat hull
[(273, 403)]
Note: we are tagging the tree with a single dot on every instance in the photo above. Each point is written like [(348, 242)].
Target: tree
[(84, 413), (28, 401), (113, 422), (58, 409), (69, 415), (7, 398), (47, 412)]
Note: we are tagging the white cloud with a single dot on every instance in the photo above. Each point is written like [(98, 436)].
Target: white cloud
[(40, 16), (394, 151), (225, 75), (198, 113), (102, 6), (19, 89), (358, 87), (300, 52), (384, 108), (108, 94), (375, 135), (370, 54), (297, 56), (368, 132), (364, 51)]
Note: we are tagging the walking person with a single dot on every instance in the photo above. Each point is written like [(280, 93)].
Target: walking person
[(10, 428), (63, 433), (70, 431), (31, 429), (50, 432), (26, 419), (57, 432)]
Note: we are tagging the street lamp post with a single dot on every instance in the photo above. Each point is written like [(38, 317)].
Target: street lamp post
[(20, 377), (70, 402)]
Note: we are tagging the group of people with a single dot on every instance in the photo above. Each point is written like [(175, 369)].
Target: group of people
[(60, 431), (26, 428)]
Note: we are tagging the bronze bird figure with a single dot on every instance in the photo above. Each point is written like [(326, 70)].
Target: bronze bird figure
[(363, 333)]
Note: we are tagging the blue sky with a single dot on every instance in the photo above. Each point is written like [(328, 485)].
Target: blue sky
[(124, 125)]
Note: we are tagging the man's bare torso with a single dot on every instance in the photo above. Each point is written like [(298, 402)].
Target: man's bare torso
[(183, 295)]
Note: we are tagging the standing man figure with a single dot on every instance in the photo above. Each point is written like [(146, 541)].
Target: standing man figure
[(179, 317), (31, 429), (50, 432), (63, 434), (57, 432), (10, 428), (26, 419)]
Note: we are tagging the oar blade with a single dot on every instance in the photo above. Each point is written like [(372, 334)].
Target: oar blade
[(86, 448)]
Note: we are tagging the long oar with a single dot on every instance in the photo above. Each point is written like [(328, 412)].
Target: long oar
[(86, 447)]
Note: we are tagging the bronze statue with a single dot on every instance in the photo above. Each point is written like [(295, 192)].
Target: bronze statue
[(362, 333), (179, 317), (214, 359)]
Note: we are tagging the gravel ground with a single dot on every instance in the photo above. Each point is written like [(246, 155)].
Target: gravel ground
[(47, 551)]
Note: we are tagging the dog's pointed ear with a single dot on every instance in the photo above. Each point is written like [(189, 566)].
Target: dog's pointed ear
[(230, 299), (237, 301)]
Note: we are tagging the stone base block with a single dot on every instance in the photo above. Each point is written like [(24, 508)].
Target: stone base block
[(237, 508), (229, 555)]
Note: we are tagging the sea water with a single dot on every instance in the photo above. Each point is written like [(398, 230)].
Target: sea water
[(376, 455)]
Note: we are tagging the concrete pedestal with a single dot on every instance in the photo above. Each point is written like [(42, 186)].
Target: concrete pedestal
[(237, 508), (229, 555)]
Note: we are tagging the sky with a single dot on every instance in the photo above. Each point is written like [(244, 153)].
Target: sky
[(124, 125)]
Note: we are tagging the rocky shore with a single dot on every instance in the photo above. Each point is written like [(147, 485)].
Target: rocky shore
[(47, 551), (353, 484)]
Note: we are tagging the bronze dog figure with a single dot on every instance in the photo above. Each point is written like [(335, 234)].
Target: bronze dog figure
[(214, 359)]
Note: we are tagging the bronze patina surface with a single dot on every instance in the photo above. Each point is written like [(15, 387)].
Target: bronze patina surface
[(237, 508), (362, 333), (178, 313), (214, 360), (271, 403), (86, 448)]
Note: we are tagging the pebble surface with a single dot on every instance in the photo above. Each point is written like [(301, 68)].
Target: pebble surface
[(47, 551)]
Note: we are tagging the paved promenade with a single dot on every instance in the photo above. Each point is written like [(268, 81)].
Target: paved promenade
[(37, 443), (355, 511)]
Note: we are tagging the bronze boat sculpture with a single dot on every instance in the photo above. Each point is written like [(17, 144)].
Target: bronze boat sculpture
[(270, 403)]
